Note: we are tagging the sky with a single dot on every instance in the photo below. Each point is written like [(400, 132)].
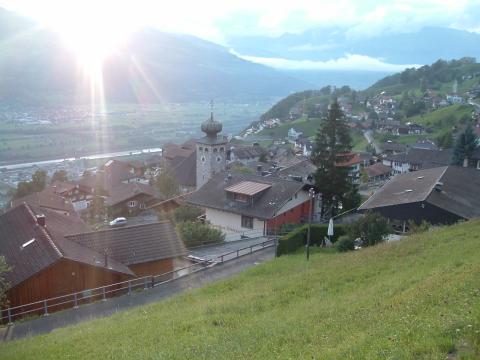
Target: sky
[(106, 21), (217, 20)]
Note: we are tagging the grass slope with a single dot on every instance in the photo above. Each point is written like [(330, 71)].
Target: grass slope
[(414, 299)]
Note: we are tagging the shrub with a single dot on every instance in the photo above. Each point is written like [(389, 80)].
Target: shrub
[(186, 213), (297, 238), (196, 233), (345, 243), (371, 228)]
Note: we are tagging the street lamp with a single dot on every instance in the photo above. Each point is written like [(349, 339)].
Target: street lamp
[(273, 203), (311, 195)]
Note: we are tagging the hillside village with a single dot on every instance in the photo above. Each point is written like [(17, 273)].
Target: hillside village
[(92, 225)]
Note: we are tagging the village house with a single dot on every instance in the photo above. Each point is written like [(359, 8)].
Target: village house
[(51, 254), (392, 148), (245, 154), (354, 162), (72, 191), (416, 159), (129, 199), (441, 195), (378, 172), (47, 199), (248, 205)]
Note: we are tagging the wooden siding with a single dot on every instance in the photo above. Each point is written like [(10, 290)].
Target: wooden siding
[(61, 278), (152, 267)]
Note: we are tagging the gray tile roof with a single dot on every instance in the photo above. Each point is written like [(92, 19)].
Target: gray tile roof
[(459, 193), (46, 199), (213, 194), (123, 192), (425, 158), (135, 244)]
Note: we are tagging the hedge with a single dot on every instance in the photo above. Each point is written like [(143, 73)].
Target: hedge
[(298, 237)]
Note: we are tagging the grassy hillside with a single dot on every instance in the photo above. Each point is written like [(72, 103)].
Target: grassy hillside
[(414, 299)]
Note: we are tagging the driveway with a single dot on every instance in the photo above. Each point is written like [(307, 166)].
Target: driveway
[(213, 251)]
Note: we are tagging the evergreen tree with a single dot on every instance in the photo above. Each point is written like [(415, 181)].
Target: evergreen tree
[(332, 146), (60, 175), (465, 146)]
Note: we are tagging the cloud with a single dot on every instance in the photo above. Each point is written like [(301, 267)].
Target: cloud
[(350, 62), (218, 20)]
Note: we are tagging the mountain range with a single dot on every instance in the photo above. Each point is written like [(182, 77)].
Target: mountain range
[(151, 66), (423, 46), (154, 66)]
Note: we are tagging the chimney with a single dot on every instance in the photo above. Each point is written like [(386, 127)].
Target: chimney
[(41, 220), (438, 186)]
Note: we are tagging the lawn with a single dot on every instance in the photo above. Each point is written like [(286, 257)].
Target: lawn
[(414, 299)]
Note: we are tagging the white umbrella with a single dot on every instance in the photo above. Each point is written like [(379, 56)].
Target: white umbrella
[(330, 227)]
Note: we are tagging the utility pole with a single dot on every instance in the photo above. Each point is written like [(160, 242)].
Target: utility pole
[(311, 195)]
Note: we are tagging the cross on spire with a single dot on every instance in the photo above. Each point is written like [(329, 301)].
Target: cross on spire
[(211, 108)]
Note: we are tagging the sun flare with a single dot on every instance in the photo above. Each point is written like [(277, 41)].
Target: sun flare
[(92, 33)]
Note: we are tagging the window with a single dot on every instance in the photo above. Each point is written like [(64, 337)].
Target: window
[(215, 150), (203, 158), (219, 159), (132, 203), (240, 197), (222, 149), (206, 149), (142, 206), (247, 222), (200, 148), (478, 164)]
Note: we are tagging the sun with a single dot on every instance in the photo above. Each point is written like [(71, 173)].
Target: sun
[(91, 31)]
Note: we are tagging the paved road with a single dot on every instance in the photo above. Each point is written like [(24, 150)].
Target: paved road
[(100, 309), (369, 136)]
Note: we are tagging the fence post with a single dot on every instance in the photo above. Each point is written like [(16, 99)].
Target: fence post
[(237, 252), (145, 286), (75, 301), (222, 258), (104, 297), (45, 307), (251, 250), (129, 287), (9, 312), (153, 281)]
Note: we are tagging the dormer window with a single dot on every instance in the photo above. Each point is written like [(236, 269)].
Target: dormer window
[(241, 197)]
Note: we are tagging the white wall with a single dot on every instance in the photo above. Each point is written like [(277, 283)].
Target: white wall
[(231, 224)]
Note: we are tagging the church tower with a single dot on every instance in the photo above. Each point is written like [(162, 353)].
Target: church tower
[(211, 151)]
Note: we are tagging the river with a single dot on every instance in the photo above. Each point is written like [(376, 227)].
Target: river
[(88, 157)]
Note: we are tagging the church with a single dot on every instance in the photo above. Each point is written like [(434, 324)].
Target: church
[(243, 204)]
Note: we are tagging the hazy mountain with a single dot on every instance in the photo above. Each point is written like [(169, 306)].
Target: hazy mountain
[(420, 47), (151, 66)]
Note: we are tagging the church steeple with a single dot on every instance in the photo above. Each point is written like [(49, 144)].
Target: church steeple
[(211, 150), (211, 127)]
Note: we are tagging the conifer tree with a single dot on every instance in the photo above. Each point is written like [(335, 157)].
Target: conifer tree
[(465, 146), (333, 145)]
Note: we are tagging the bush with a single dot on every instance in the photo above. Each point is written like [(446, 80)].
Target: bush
[(294, 240), (371, 229), (186, 213), (196, 233), (345, 243)]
